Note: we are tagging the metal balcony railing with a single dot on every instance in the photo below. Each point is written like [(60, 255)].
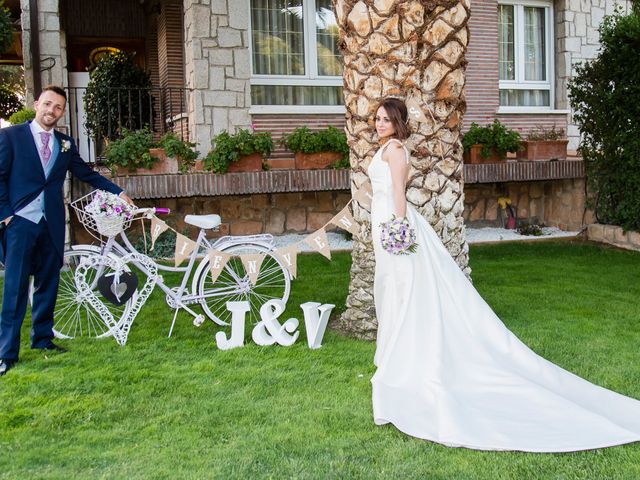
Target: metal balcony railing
[(94, 123)]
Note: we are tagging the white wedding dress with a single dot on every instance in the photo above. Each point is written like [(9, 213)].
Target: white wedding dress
[(449, 371)]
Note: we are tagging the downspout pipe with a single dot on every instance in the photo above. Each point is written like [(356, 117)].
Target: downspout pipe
[(35, 47)]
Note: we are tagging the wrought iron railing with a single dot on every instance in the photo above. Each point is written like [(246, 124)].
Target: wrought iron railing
[(162, 110)]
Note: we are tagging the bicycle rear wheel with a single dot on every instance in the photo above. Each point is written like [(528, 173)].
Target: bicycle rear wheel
[(233, 285), (74, 316)]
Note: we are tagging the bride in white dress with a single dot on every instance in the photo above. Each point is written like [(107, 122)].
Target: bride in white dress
[(449, 371)]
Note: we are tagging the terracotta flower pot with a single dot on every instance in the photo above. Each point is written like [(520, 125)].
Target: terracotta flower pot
[(543, 150), (247, 163), (312, 161), (164, 166), (473, 156)]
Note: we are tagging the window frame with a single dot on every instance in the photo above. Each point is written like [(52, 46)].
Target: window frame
[(519, 83), (311, 77)]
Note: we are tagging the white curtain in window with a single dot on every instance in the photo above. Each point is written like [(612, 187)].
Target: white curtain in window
[(506, 54), (329, 59), (277, 37), (535, 67)]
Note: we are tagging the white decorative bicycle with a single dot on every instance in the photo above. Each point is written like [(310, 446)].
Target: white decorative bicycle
[(81, 307)]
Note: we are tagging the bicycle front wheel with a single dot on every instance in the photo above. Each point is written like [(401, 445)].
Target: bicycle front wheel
[(233, 284), (74, 316)]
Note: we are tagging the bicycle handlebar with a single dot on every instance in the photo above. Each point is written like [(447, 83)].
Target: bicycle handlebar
[(151, 210)]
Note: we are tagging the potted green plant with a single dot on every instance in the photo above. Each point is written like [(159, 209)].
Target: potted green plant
[(243, 151), (131, 153), (489, 143), (544, 144), (172, 147), (317, 149)]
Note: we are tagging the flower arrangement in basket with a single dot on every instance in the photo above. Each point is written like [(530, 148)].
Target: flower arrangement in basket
[(109, 212), (397, 236)]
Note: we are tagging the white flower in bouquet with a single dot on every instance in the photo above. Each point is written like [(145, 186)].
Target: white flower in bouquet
[(107, 204), (397, 236)]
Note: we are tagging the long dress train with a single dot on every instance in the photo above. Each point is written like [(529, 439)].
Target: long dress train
[(449, 371)]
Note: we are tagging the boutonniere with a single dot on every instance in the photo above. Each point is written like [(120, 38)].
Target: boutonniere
[(65, 145)]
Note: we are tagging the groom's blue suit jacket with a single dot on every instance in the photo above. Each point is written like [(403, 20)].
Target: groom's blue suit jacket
[(22, 178)]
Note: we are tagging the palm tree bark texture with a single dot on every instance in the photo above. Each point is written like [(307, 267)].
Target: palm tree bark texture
[(411, 49)]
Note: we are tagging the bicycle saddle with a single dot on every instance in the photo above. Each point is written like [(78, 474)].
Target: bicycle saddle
[(206, 222)]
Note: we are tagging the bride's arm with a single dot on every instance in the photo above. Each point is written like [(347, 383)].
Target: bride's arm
[(395, 156)]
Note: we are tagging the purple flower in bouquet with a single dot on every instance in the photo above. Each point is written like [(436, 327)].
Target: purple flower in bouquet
[(397, 236)]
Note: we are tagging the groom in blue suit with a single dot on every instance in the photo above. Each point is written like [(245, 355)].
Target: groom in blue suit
[(34, 161)]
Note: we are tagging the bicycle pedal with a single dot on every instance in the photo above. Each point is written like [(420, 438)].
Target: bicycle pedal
[(198, 321)]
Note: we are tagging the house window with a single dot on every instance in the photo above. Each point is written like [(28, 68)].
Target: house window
[(525, 44), (295, 58)]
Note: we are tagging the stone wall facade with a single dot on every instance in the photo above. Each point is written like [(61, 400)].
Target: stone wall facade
[(52, 63), (559, 203), (217, 67), (577, 40)]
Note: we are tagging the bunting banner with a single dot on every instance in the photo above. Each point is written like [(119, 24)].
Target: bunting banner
[(217, 262), (289, 257), (345, 220), (252, 264), (318, 242), (157, 227), (184, 247), (364, 195)]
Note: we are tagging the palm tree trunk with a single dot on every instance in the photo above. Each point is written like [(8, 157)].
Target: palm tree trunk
[(410, 49)]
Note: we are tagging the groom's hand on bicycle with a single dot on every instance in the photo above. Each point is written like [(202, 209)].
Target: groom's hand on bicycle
[(126, 198)]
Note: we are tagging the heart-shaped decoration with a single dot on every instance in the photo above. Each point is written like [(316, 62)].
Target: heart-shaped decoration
[(119, 326), (118, 287)]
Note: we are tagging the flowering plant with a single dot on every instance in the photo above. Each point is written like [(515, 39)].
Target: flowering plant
[(106, 204), (397, 236), (65, 145)]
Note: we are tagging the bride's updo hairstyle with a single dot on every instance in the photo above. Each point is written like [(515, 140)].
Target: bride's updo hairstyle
[(397, 111)]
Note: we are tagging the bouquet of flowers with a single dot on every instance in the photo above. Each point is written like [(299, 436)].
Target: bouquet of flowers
[(109, 212), (397, 236)]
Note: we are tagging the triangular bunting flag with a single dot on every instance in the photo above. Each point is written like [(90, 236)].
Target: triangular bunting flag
[(252, 264), (345, 221), (217, 261), (288, 256), (157, 227), (415, 111), (318, 241), (364, 195), (184, 247)]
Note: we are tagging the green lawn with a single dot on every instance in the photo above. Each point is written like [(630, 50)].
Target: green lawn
[(179, 408)]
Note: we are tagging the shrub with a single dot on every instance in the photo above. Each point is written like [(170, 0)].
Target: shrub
[(6, 28), (328, 140), (108, 104), (605, 95), (492, 137), (182, 150), (10, 102), (22, 116), (229, 148), (131, 151)]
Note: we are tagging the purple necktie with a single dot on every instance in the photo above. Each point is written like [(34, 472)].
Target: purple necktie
[(46, 151)]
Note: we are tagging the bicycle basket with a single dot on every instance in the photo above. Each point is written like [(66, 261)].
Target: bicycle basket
[(100, 224)]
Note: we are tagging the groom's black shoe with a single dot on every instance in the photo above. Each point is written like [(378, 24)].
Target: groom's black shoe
[(5, 365), (52, 347)]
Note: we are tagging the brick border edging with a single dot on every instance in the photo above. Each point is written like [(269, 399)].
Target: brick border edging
[(613, 235)]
